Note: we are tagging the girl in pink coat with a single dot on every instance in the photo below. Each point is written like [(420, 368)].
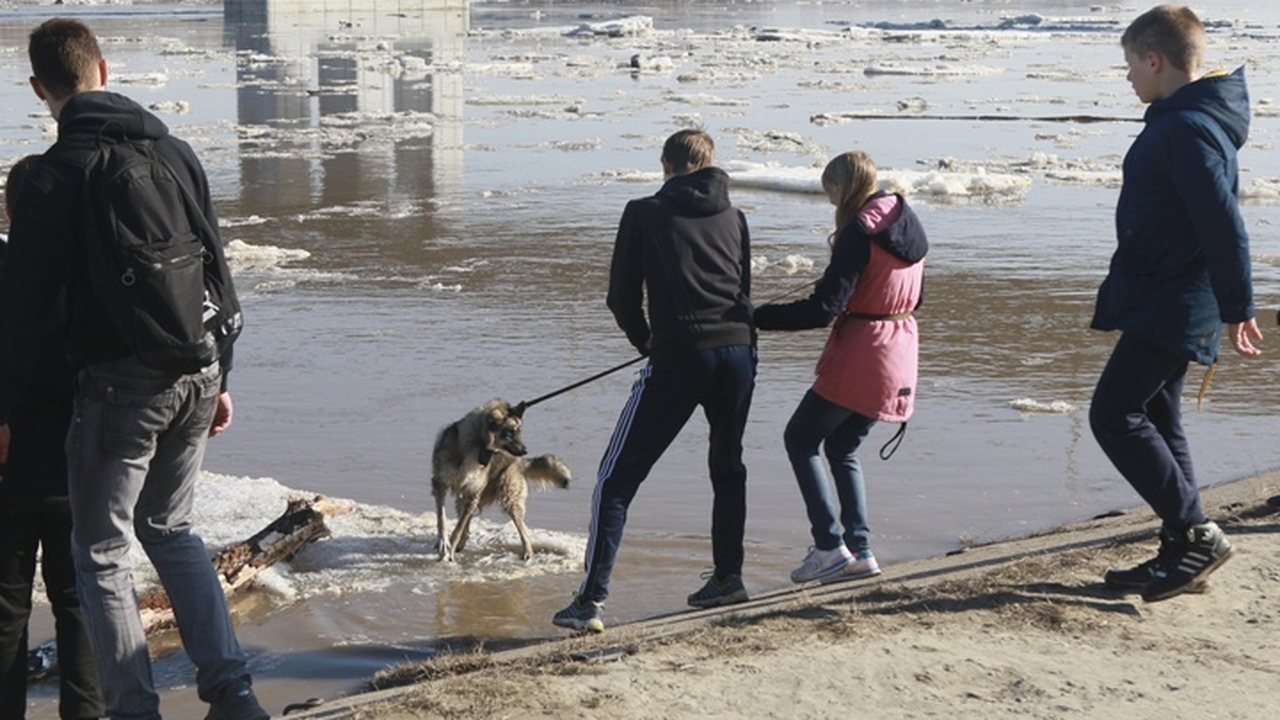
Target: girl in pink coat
[(867, 371)]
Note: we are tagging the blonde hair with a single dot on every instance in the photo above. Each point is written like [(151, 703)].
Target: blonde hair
[(1173, 31), (689, 151), (853, 176)]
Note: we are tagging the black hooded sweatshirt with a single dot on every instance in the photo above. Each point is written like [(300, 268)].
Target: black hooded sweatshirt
[(688, 248), (46, 243)]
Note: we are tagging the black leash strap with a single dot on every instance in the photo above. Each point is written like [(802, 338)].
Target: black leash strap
[(886, 451), (519, 409)]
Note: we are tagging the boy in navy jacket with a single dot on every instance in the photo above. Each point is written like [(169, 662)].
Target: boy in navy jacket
[(1180, 273)]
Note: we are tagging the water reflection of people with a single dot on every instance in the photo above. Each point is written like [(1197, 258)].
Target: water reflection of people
[(378, 68)]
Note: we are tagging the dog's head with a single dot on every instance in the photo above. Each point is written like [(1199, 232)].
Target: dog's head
[(501, 431)]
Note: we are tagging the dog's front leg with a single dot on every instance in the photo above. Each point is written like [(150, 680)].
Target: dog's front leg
[(443, 546), (462, 529)]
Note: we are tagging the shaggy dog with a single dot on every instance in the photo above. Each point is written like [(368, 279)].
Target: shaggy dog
[(480, 460)]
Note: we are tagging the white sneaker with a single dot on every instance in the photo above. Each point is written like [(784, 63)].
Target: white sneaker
[(822, 563), (864, 565)]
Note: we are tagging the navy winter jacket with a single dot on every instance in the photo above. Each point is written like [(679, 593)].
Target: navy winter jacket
[(1181, 266)]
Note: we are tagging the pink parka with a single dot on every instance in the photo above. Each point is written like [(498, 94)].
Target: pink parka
[(870, 288)]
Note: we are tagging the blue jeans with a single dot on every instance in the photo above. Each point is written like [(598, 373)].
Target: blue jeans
[(1136, 417), (839, 431), (662, 400), (134, 451)]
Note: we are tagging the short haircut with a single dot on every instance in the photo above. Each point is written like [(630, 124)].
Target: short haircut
[(1173, 31), (689, 150), (13, 183), (64, 56)]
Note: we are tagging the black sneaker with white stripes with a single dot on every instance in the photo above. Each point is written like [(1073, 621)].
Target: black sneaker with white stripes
[(1137, 577), (1191, 556)]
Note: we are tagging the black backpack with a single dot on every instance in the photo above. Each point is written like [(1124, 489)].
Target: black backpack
[(153, 261)]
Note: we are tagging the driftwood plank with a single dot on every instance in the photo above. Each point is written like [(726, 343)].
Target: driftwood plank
[(302, 523)]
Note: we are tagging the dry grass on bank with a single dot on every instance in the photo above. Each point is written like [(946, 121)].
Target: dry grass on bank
[(1036, 637)]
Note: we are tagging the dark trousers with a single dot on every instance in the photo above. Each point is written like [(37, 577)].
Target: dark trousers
[(1136, 416), (662, 400), (24, 525)]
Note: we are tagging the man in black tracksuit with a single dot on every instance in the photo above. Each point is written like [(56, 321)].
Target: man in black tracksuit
[(688, 249)]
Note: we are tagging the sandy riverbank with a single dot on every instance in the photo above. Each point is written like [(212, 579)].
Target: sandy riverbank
[(1020, 628)]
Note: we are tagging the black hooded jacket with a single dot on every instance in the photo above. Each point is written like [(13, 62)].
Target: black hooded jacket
[(688, 248), (46, 254)]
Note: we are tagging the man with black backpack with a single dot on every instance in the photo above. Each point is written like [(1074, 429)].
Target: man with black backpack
[(117, 217)]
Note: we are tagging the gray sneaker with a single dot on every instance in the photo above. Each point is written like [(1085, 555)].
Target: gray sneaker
[(1192, 555), (237, 703), (819, 564), (719, 591)]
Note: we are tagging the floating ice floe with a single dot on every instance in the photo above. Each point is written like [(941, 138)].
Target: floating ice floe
[(335, 132), (1018, 23), (706, 99), (1060, 24), (809, 37), (518, 70), (937, 185), (151, 78), (793, 264), (524, 100), (1261, 190), (931, 70), (624, 27), (242, 256), (776, 141), (1056, 407), (650, 63), (170, 107)]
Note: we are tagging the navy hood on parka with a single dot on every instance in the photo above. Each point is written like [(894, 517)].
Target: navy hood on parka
[(1181, 265)]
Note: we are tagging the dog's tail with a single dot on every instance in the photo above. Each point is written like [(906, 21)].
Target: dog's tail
[(546, 471)]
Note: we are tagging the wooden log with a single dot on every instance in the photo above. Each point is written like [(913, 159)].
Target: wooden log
[(302, 523)]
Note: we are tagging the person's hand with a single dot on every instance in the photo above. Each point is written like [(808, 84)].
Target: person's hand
[(1243, 335), (222, 415)]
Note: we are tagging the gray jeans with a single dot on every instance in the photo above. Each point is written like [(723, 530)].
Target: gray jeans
[(134, 450)]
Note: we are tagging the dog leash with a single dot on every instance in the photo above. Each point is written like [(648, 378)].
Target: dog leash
[(518, 409)]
